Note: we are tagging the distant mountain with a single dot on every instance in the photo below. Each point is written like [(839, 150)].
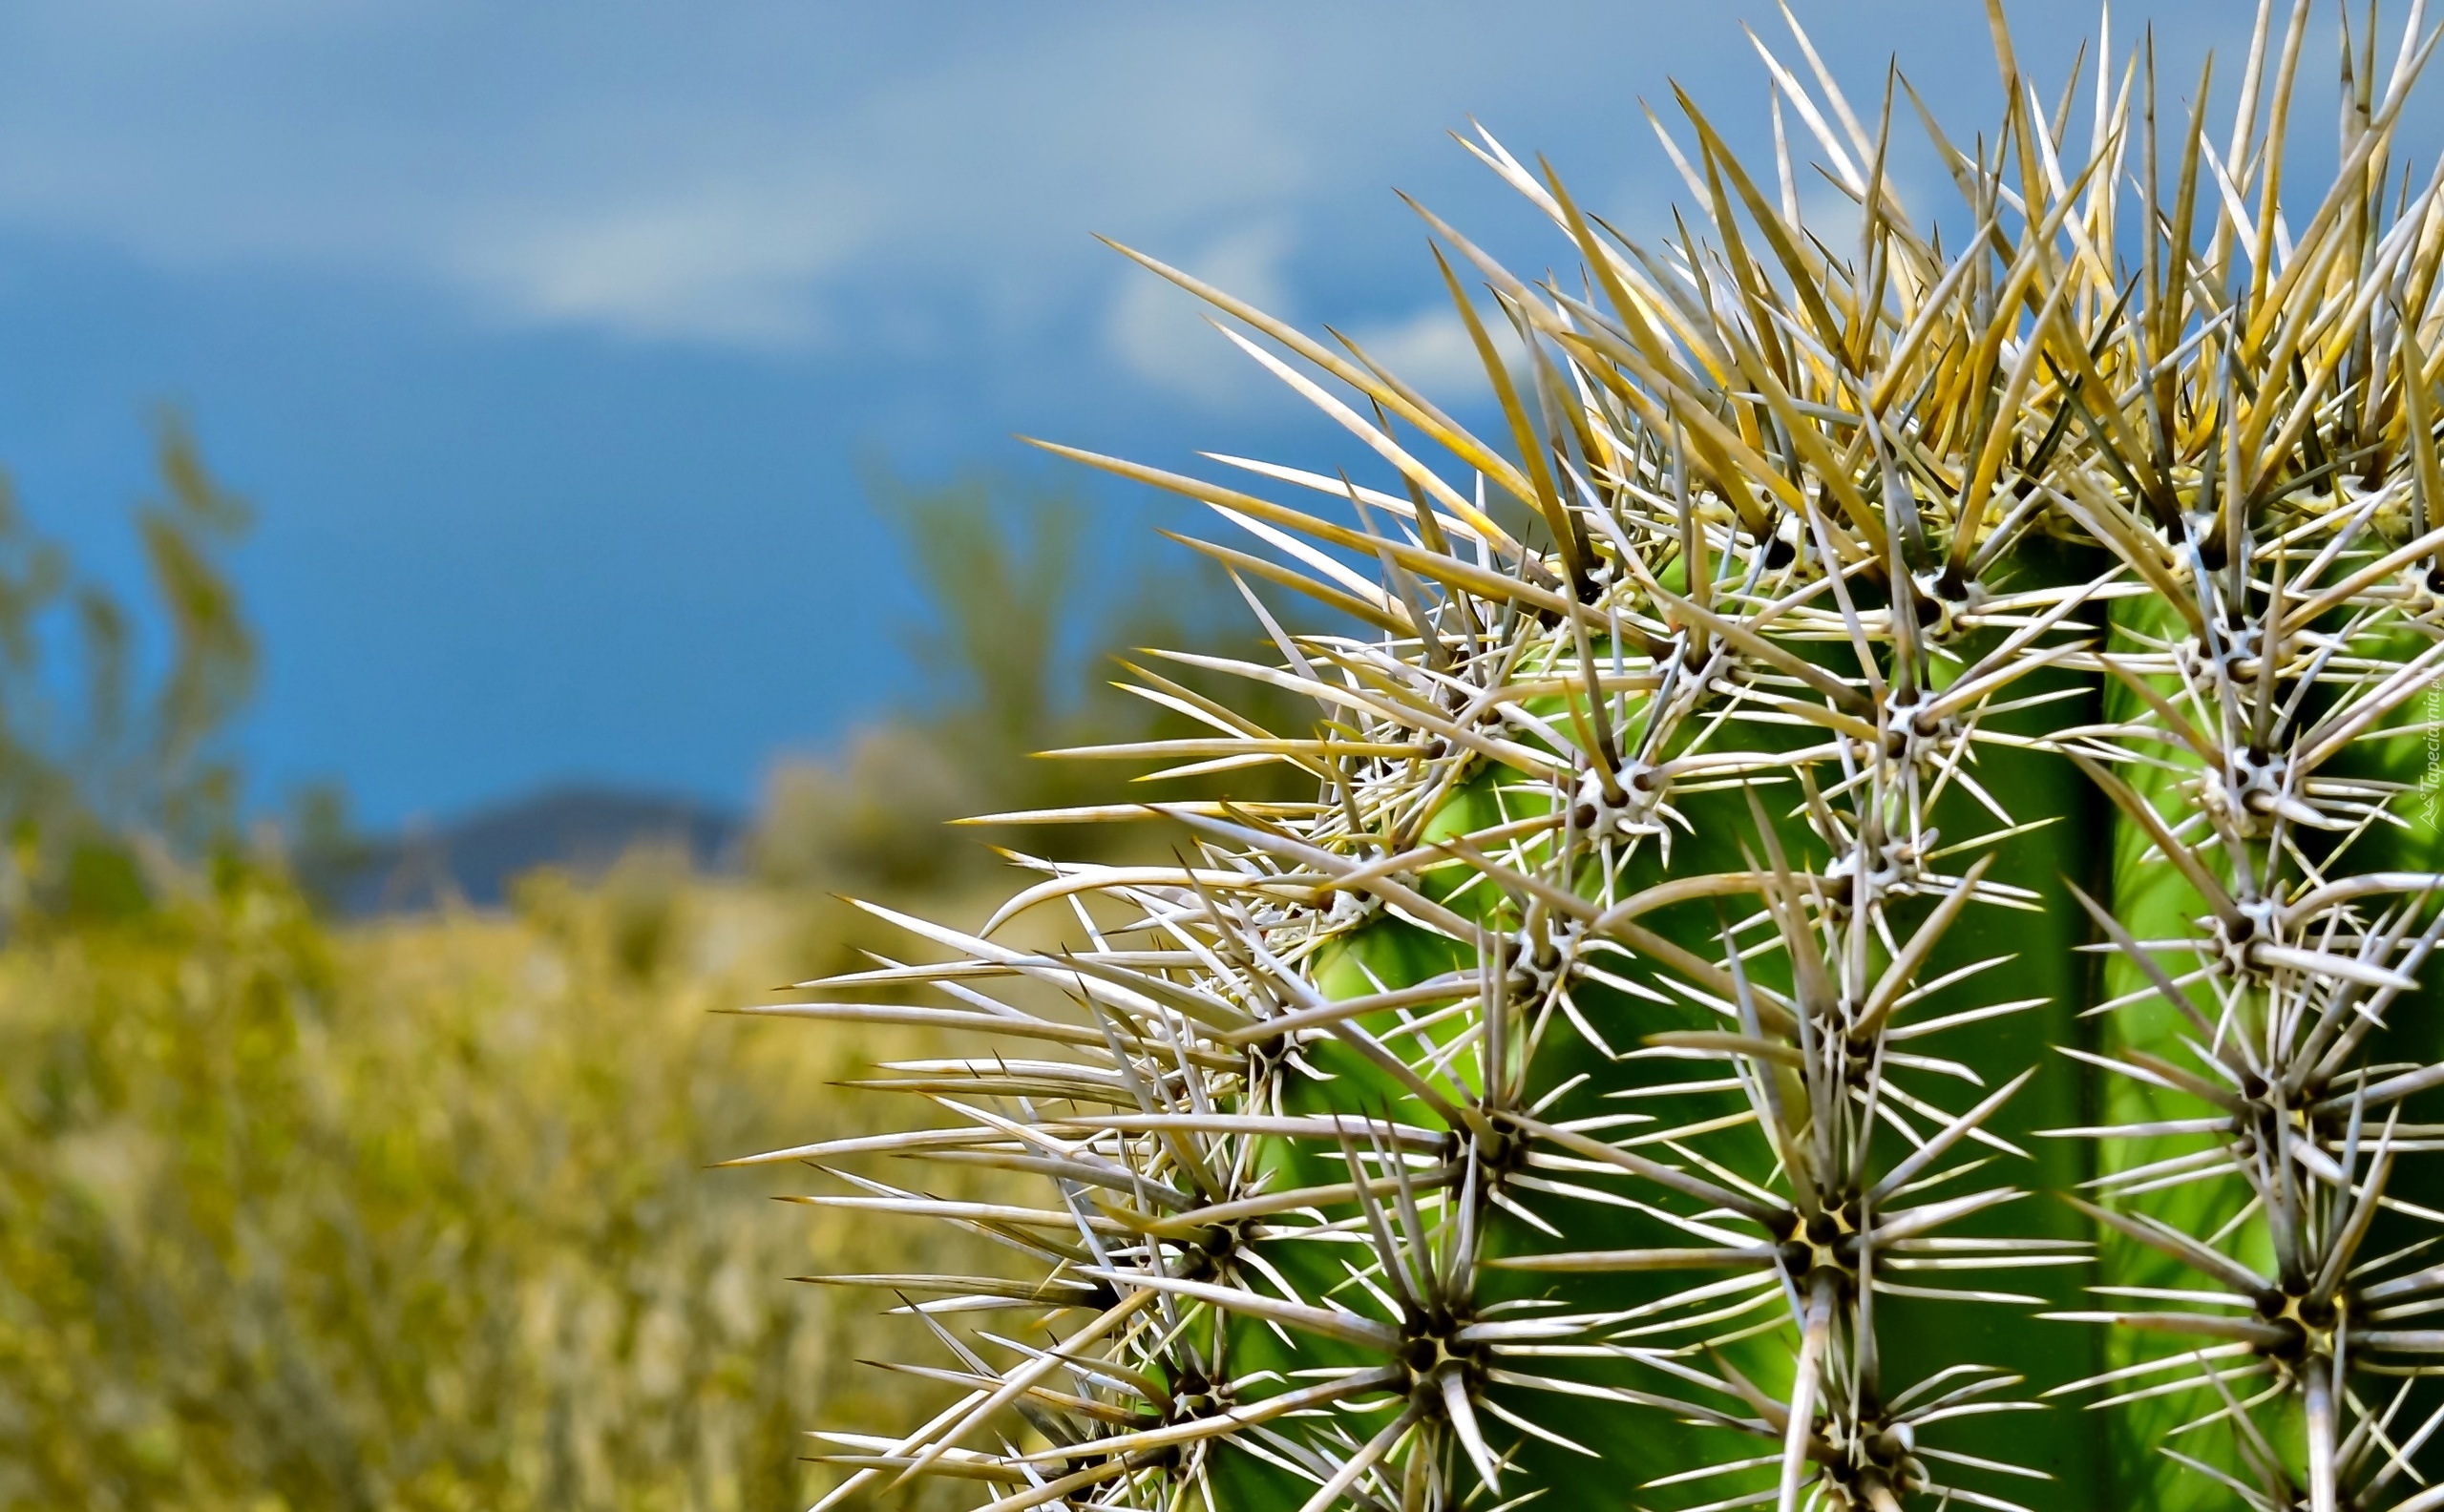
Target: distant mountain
[(475, 858)]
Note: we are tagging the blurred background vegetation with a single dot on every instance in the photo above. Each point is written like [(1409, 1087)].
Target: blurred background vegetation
[(300, 1211)]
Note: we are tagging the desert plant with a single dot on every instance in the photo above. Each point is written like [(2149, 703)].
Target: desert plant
[(412, 1215), (1939, 727), (1019, 642), (114, 757)]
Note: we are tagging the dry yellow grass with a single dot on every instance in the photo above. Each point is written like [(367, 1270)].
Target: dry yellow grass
[(418, 1215)]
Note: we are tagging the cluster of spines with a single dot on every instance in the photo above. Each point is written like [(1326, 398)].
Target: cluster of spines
[(1633, 900)]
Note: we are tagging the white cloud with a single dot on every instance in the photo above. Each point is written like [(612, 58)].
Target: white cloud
[(1159, 330), (975, 181), (754, 182), (777, 175), (736, 268)]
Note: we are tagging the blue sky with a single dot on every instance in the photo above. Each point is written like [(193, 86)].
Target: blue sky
[(549, 338)]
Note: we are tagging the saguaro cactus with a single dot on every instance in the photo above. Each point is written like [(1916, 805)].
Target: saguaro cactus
[(1886, 816)]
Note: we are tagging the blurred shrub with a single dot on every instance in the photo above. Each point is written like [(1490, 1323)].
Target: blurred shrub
[(417, 1217), (1024, 634), (106, 775), (873, 817)]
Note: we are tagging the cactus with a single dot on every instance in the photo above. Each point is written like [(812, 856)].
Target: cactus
[(1861, 938)]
